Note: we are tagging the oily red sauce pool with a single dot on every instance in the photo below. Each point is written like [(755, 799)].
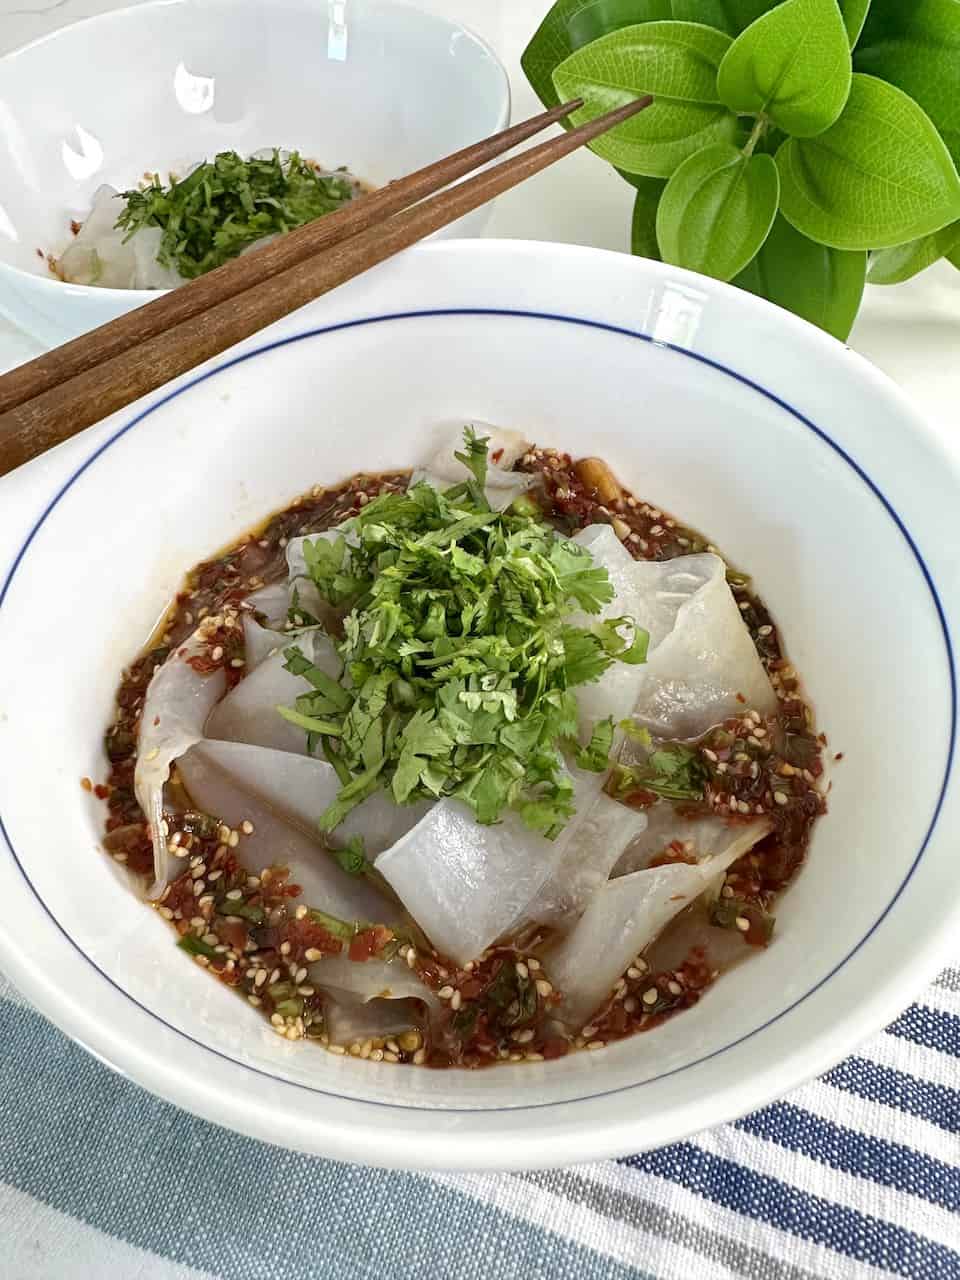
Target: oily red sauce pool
[(250, 931)]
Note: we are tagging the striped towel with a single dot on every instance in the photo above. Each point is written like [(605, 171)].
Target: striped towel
[(854, 1176)]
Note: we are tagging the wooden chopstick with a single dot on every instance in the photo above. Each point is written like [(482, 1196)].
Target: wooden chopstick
[(61, 411), (252, 268)]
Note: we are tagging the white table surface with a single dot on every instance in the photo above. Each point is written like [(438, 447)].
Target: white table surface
[(911, 331)]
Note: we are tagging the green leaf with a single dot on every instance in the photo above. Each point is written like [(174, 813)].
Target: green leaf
[(570, 25), (675, 61), (893, 266), (735, 16), (879, 177), (854, 15), (643, 235), (819, 284), (732, 16), (717, 210), (595, 756), (915, 44), (954, 258), (792, 65)]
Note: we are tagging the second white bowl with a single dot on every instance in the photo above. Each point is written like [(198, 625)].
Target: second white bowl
[(373, 85)]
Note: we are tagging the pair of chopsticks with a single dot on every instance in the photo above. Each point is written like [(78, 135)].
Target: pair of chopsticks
[(54, 397)]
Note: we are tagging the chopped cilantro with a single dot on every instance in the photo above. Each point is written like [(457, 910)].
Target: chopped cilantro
[(459, 656), (674, 773), (595, 756), (227, 203)]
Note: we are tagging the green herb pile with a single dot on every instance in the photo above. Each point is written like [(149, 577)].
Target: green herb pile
[(459, 656), (797, 149), (228, 203)]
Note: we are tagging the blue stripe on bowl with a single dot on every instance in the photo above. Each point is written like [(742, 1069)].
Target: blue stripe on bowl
[(504, 313)]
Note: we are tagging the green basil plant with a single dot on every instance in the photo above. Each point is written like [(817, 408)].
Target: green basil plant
[(798, 148)]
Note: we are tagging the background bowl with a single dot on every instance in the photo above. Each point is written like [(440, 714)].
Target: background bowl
[(158, 86), (805, 466)]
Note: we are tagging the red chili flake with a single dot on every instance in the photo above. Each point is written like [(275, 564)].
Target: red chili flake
[(555, 1048), (838, 756), (370, 942), (674, 852), (39, 253), (741, 698), (496, 455), (74, 227), (101, 792)]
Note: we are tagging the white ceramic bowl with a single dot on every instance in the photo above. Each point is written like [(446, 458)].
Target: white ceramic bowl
[(803, 463), (372, 84)]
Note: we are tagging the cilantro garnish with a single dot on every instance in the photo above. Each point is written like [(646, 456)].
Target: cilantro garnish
[(674, 773), (459, 657), (227, 203)]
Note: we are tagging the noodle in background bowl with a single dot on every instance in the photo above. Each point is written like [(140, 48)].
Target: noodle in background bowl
[(804, 465), (373, 85)]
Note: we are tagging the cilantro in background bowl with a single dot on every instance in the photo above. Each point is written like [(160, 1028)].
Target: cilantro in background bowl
[(226, 204)]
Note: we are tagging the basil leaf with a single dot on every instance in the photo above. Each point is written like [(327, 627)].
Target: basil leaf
[(878, 177), (643, 235), (954, 258), (675, 61), (570, 25), (819, 284), (717, 210), (893, 266), (792, 65), (915, 44)]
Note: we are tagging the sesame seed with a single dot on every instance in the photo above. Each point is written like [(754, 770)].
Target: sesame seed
[(215, 875), (205, 900), (595, 1044), (533, 1057), (456, 1000), (589, 1032), (198, 888), (336, 1048), (764, 631), (651, 995), (300, 912), (306, 990), (312, 954), (234, 839), (300, 975), (630, 1004), (255, 1001), (165, 912), (152, 755), (522, 970), (445, 993), (544, 987), (726, 892), (237, 662), (420, 1057), (780, 798), (411, 957), (634, 972), (743, 924), (389, 1056), (285, 948), (246, 826), (522, 1037), (533, 964), (675, 988), (234, 895), (377, 1055)]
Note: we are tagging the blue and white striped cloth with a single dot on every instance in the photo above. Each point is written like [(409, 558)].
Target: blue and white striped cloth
[(856, 1175)]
